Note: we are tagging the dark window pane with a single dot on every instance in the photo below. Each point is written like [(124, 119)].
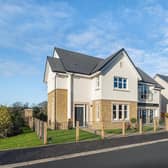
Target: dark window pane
[(125, 114), (120, 114), (114, 114), (115, 82), (120, 83), (124, 83)]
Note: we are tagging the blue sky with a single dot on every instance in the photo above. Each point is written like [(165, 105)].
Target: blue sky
[(30, 29)]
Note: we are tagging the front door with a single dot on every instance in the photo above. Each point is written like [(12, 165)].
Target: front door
[(79, 114)]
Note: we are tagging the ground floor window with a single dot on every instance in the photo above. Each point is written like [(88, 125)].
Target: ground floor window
[(147, 114), (120, 111)]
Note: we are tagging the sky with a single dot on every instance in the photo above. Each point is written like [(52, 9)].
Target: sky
[(30, 29)]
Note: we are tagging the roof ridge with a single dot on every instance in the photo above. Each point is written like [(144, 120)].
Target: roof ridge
[(95, 57)]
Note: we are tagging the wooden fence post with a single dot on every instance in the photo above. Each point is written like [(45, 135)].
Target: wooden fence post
[(102, 131), (123, 128), (41, 127), (77, 131), (140, 125), (45, 132), (154, 125), (166, 123)]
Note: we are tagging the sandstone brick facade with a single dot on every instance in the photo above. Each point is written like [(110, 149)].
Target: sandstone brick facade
[(106, 113), (57, 109)]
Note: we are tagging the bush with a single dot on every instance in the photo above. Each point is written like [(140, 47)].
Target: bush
[(70, 123), (16, 125), (133, 120), (5, 120), (166, 115), (37, 113)]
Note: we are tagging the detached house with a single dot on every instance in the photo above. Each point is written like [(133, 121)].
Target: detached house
[(163, 81), (91, 90)]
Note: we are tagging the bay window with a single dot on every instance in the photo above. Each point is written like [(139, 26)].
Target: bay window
[(120, 112)]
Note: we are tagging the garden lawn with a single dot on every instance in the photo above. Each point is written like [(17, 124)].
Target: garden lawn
[(64, 136), (27, 139), (146, 128)]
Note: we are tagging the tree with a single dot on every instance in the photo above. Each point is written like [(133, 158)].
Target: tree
[(43, 107), (5, 119)]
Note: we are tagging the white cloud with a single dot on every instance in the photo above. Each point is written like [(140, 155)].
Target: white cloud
[(10, 68), (28, 23)]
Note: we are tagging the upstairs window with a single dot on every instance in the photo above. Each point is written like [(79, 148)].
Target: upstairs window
[(97, 82), (120, 83), (144, 92), (97, 112)]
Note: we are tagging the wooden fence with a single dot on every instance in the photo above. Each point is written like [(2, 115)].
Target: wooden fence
[(40, 128)]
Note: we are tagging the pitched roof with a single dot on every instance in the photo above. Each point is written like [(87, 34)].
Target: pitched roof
[(147, 79), (164, 77), (70, 61), (56, 65), (77, 62)]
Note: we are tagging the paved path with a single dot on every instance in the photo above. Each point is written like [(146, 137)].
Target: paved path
[(148, 156), (22, 155)]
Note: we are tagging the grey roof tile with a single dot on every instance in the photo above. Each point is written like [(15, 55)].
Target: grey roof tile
[(70, 61), (77, 62), (164, 77), (56, 65), (147, 79)]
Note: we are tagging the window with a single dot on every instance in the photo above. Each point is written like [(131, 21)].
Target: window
[(120, 112), (97, 82), (114, 112), (97, 112), (125, 111), (120, 83), (144, 92)]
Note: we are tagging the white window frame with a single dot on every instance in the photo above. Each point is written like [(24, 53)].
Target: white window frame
[(118, 83), (122, 112), (97, 112), (97, 82)]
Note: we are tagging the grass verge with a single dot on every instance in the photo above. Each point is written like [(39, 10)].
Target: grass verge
[(64, 136), (27, 139)]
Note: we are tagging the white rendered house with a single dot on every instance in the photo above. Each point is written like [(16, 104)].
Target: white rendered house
[(163, 81), (91, 90)]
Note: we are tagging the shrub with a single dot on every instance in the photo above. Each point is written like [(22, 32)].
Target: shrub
[(17, 123), (70, 123), (133, 120), (166, 115), (5, 120)]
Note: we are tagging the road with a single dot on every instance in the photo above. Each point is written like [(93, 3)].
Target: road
[(151, 156)]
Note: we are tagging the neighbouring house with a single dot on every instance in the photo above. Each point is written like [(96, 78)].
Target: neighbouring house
[(91, 90), (163, 81)]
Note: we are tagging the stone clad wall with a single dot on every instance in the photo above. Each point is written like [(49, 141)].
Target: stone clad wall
[(106, 113), (57, 100)]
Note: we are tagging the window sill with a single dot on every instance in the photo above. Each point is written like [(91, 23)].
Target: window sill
[(123, 90), (120, 120)]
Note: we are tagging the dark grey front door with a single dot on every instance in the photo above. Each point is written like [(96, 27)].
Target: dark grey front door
[(79, 112)]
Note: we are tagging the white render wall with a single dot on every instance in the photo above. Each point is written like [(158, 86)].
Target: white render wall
[(164, 84), (121, 68), (61, 81), (164, 94), (81, 89)]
